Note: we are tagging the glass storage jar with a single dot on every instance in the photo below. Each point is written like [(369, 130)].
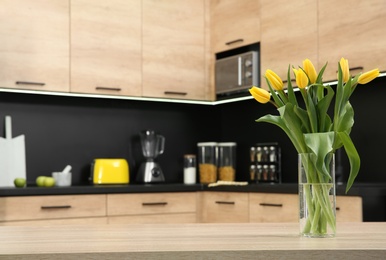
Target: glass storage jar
[(227, 161), (207, 162)]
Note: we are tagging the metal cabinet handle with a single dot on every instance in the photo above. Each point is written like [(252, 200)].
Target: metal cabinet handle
[(234, 41), (226, 202), (271, 204), (30, 83), (154, 203), (56, 207), (107, 88), (175, 93)]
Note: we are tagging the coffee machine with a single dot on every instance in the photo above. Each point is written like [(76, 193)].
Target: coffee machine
[(153, 145)]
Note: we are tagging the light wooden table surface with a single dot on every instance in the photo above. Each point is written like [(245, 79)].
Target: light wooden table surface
[(191, 241)]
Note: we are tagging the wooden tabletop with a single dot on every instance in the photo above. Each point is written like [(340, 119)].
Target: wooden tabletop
[(191, 241)]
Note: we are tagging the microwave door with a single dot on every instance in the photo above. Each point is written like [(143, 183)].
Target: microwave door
[(228, 74)]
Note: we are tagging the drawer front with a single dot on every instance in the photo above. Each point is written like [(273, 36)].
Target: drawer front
[(223, 207), (52, 207), (151, 203), (349, 209), (268, 207), (154, 219), (59, 221)]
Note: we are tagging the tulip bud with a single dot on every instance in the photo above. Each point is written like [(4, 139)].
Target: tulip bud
[(368, 76), (345, 69), (310, 70), (261, 95), (301, 79), (274, 80)]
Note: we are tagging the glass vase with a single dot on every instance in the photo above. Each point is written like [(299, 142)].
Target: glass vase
[(317, 195)]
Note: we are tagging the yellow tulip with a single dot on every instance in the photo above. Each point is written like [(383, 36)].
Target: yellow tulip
[(368, 76), (261, 95), (345, 69), (301, 79), (310, 70), (274, 80)]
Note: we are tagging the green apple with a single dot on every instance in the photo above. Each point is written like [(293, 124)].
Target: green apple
[(19, 182), (40, 181), (49, 182)]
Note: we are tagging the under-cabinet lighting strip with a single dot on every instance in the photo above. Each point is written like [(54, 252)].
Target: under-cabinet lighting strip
[(182, 101)]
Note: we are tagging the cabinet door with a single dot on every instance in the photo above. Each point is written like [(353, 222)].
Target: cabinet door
[(52, 207), (235, 23), (269, 207), (34, 45), (106, 47), (174, 49), (288, 35), (354, 30), (349, 209), (223, 207)]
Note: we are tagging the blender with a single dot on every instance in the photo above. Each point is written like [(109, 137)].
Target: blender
[(153, 145)]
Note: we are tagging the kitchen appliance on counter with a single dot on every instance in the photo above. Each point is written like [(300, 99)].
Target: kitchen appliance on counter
[(153, 145), (109, 171), (236, 73)]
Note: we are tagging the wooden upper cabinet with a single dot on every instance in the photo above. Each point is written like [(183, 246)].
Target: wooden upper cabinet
[(235, 23), (174, 58), (34, 45), (289, 35), (354, 30), (106, 47)]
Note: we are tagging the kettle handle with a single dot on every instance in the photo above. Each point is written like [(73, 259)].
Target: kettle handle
[(161, 144)]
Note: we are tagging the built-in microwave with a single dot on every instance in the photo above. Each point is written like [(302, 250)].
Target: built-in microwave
[(237, 73)]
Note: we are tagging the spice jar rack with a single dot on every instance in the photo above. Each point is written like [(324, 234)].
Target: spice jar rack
[(265, 164)]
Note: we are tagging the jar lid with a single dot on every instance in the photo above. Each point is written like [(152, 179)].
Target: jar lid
[(207, 144), (227, 144)]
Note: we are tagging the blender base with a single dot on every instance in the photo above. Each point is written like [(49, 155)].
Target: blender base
[(150, 172)]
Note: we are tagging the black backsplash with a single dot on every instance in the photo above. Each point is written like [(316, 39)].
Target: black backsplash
[(71, 130)]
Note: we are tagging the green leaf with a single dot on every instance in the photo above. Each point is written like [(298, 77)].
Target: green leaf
[(346, 120), (278, 121), (303, 116), (322, 108), (312, 114), (321, 144), (290, 91), (353, 156)]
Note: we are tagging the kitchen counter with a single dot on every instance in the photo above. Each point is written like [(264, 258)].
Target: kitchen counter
[(192, 241), (358, 189)]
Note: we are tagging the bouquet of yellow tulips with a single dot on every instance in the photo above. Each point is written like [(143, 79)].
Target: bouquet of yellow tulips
[(313, 131)]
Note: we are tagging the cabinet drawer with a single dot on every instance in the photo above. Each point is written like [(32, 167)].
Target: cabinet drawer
[(223, 207), (268, 207), (58, 221), (349, 209), (154, 219), (150, 203), (52, 207)]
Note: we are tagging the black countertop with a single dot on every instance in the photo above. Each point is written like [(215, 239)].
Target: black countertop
[(359, 189)]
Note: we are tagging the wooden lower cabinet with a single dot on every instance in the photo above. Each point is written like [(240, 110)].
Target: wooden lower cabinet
[(169, 207), (270, 207), (223, 207), (53, 209), (163, 208)]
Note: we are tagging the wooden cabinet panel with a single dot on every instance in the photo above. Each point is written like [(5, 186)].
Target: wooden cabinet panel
[(235, 23), (154, 219), (289, 34), (60, 221), (174, 49), (106, 47), (223, 207), (151, 203), (354, 30), (349, 209), (34, 46), (52, 207), (268, 207)]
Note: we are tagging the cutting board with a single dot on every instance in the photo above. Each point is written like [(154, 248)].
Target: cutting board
[(12, 156)]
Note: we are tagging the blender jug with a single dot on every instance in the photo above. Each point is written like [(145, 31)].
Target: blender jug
[(153, 145)]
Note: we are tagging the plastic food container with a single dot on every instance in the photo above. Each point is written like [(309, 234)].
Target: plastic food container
[(227, 161), (207, 162)]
